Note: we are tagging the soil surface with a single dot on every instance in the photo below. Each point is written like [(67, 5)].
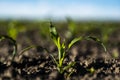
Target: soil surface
[(92, 63)]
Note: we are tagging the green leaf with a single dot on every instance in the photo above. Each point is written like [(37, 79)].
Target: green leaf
[(63, 50), (12, 32), (54, 35), (62, 58), (26, 49), (63, 45), (74, 41), (69, 65), (98, 41), (53, 32), (54, 60), (33, 46), (2, 37)]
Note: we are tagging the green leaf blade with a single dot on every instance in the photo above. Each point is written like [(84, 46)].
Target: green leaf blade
[(98, 41), (53, 32), (74, 41), (69, 66)]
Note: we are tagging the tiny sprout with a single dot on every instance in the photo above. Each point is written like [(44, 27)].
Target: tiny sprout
[(91, 70)]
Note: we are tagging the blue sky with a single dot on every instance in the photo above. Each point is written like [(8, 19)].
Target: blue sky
[(78, 9)]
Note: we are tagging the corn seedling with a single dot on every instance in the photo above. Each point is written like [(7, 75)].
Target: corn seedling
[(63, 49)]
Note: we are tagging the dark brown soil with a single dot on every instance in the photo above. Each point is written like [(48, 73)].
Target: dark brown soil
[(37, 64), (92, 63)]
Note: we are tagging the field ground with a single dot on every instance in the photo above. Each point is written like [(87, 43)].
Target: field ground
[(92, 63)]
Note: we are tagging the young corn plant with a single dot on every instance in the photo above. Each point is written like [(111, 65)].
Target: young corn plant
[(63, 49)]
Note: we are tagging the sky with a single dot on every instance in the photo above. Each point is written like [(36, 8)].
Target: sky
[(60, 9)]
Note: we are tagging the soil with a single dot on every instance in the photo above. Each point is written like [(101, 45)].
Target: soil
[(92, 63)]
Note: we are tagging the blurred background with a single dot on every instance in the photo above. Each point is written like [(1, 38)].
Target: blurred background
[(22, 18), (77, 9)]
